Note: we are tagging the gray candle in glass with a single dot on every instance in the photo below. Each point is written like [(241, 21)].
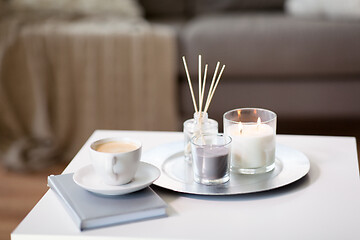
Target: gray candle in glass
[(211, 158)]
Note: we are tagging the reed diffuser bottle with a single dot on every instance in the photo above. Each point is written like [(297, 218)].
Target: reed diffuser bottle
[(200, 124)]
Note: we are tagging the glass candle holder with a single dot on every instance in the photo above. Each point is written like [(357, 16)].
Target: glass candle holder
[(200, 124), (253, 131), (211, 158)]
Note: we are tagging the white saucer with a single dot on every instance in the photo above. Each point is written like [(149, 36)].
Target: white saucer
[(86, 178)]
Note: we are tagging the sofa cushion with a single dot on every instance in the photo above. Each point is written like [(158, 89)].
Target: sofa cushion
[(345, 9), (271, 44), (291, 98)]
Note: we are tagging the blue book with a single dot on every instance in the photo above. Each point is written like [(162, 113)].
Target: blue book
[(89, 210)]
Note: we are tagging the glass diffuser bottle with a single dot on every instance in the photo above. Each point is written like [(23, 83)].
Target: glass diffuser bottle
[(199, 125)]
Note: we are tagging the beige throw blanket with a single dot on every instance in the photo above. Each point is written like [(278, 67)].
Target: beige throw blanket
[(61, 78)]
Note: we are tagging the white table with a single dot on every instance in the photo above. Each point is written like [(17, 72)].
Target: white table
[(323, 205)]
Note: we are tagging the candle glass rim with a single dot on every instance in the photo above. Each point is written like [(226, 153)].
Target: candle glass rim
[(248, 123), (227, 143)]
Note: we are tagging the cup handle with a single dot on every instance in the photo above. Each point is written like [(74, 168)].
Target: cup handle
[(110, 167)]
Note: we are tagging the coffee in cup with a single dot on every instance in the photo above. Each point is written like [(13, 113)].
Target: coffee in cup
[(116, 160), (116, 147)]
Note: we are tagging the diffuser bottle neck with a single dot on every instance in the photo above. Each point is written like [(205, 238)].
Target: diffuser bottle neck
[(201, 117)]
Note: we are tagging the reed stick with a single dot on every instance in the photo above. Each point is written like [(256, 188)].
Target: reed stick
[(190, 85), (202, 85), (212, 83), (213, 91), (200, 79), (203, 88)]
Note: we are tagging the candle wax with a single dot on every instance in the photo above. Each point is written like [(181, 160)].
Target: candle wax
[(211, 162), (252, 147)]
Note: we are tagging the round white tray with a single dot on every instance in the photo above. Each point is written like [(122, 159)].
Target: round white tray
[(177, 175)]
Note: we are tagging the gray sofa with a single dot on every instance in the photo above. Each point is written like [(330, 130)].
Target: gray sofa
[(302, 68), (55, 81)]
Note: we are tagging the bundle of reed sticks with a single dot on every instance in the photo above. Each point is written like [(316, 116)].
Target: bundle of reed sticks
[(202, 82)]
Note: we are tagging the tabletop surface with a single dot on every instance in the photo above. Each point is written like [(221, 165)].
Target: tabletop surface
[(325, 204)]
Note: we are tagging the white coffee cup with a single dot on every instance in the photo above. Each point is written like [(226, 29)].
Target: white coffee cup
[(116, 160)]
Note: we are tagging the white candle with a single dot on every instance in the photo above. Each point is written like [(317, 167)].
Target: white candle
[(253, 145)]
